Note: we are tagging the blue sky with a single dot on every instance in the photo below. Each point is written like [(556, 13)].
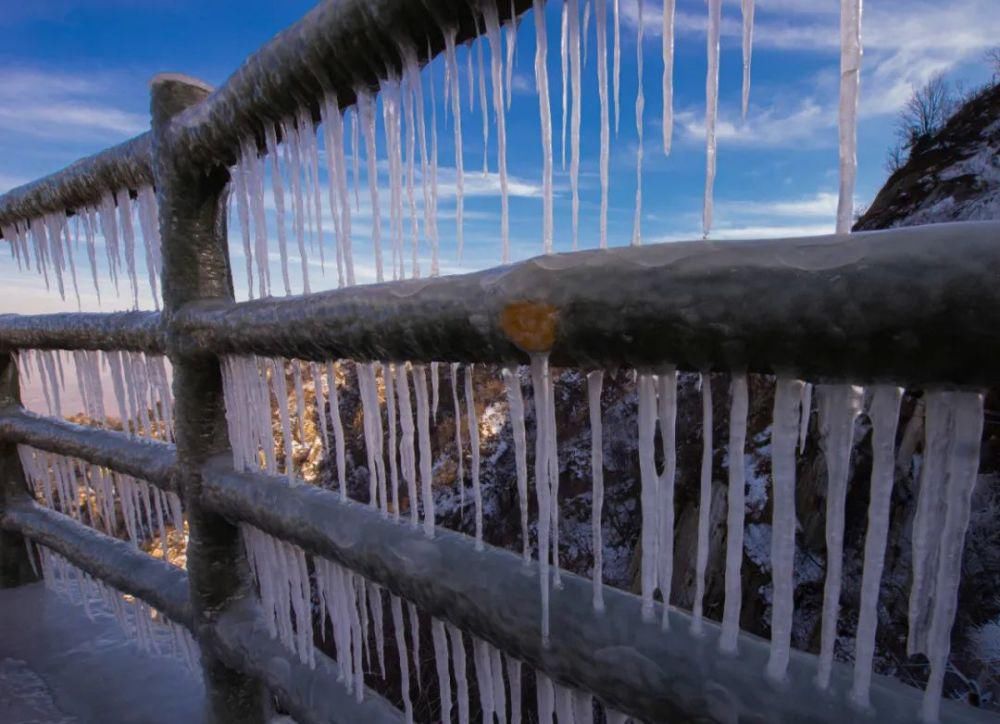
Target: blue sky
[(75, 78)]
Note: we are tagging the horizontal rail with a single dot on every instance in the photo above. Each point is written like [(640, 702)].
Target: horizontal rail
[(629, 664), (132, 331), (914, 305), (83, 183), (336, 48), (113, 561), (150, 460), (312, 696)]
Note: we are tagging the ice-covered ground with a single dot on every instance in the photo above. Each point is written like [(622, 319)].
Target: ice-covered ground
[(59, 667)]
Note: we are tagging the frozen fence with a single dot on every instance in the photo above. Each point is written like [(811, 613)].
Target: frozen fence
[(917, 307)]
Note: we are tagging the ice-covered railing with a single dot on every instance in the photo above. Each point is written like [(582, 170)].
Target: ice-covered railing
[(915, 307)]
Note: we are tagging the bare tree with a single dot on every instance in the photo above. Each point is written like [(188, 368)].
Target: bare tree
[(926, 112), (993, 58)]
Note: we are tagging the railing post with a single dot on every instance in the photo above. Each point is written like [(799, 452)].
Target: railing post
[(15, 567), (192, 210)]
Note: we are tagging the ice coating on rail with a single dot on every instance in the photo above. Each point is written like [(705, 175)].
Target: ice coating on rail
[(545, 122), (704, 503), (640, 105), (473, 421), (496, 71), (649, 499), (839, 407), (736, 511), (962, 470), (668, 74), (784, 433), (711, 111), (884, 415), (850, 78)]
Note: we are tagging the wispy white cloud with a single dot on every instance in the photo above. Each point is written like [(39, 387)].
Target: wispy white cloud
[(821, 205)]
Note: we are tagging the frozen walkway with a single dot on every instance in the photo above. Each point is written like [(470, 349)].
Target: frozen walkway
[(59, 667)]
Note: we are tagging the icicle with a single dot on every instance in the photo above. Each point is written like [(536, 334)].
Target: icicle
[(884, 415), (711, 110), (668, 73), (482, 100), (738, 409), (415, 637), (640, 105), (553, 459), (411, 142), (747, 7), (650, 485), (595, 383), (373, 434), (704, 502), (459, 452), (963, 466), (300, 400), (426, 463), (839, 407), (394, 154), (484, 678), (564, 68), (456, 114), (407, 450), (333, 147), (278, 192), (435, 388), (515, 403), (585, 31), (564, 704), (787, 404), (545, 114), (540, 386), (514, 677), (807, 390), (511, 38), (298, 130), (239, 177), (404, 668), (473, 420), (64, 221), (496, 66), (307, 136), (545, 697), (338, 428), (617, 60), (602, 89), (255, 186), (461, 678), (440, 640), (499, 688), (850, 78), (575, 72), (366, 112), (390, 403), (149, 225)]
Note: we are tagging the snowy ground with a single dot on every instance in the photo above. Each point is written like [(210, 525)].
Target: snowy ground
[(59, 667)]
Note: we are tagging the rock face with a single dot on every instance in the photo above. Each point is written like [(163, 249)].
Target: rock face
[(954, 176)]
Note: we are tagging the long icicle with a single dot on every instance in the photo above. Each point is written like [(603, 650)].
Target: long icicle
[(595, 383), (515, 403), (787, 405), (704, 502), (423, 433), (496, 69), (963, 466), (650, 489), (366, 113), (574, 134), (602, 89), (668, 438), (540, 387), (640, 105), (850, 78), (456, 114), (839, 406), (738, 409), (473, 420), (459, 453), (711, 111), (884, 414), (277, 188), (461, 675), (404, 668), (668, 74), (545, 117), (748, 8), (564, 68)]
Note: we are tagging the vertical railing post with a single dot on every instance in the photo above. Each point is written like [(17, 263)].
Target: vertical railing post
[(192, 206), (15, 567)]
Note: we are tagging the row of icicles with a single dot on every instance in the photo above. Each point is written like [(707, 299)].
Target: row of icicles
[(291, 160), (152, 632), (355, 610), (954, 424)]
